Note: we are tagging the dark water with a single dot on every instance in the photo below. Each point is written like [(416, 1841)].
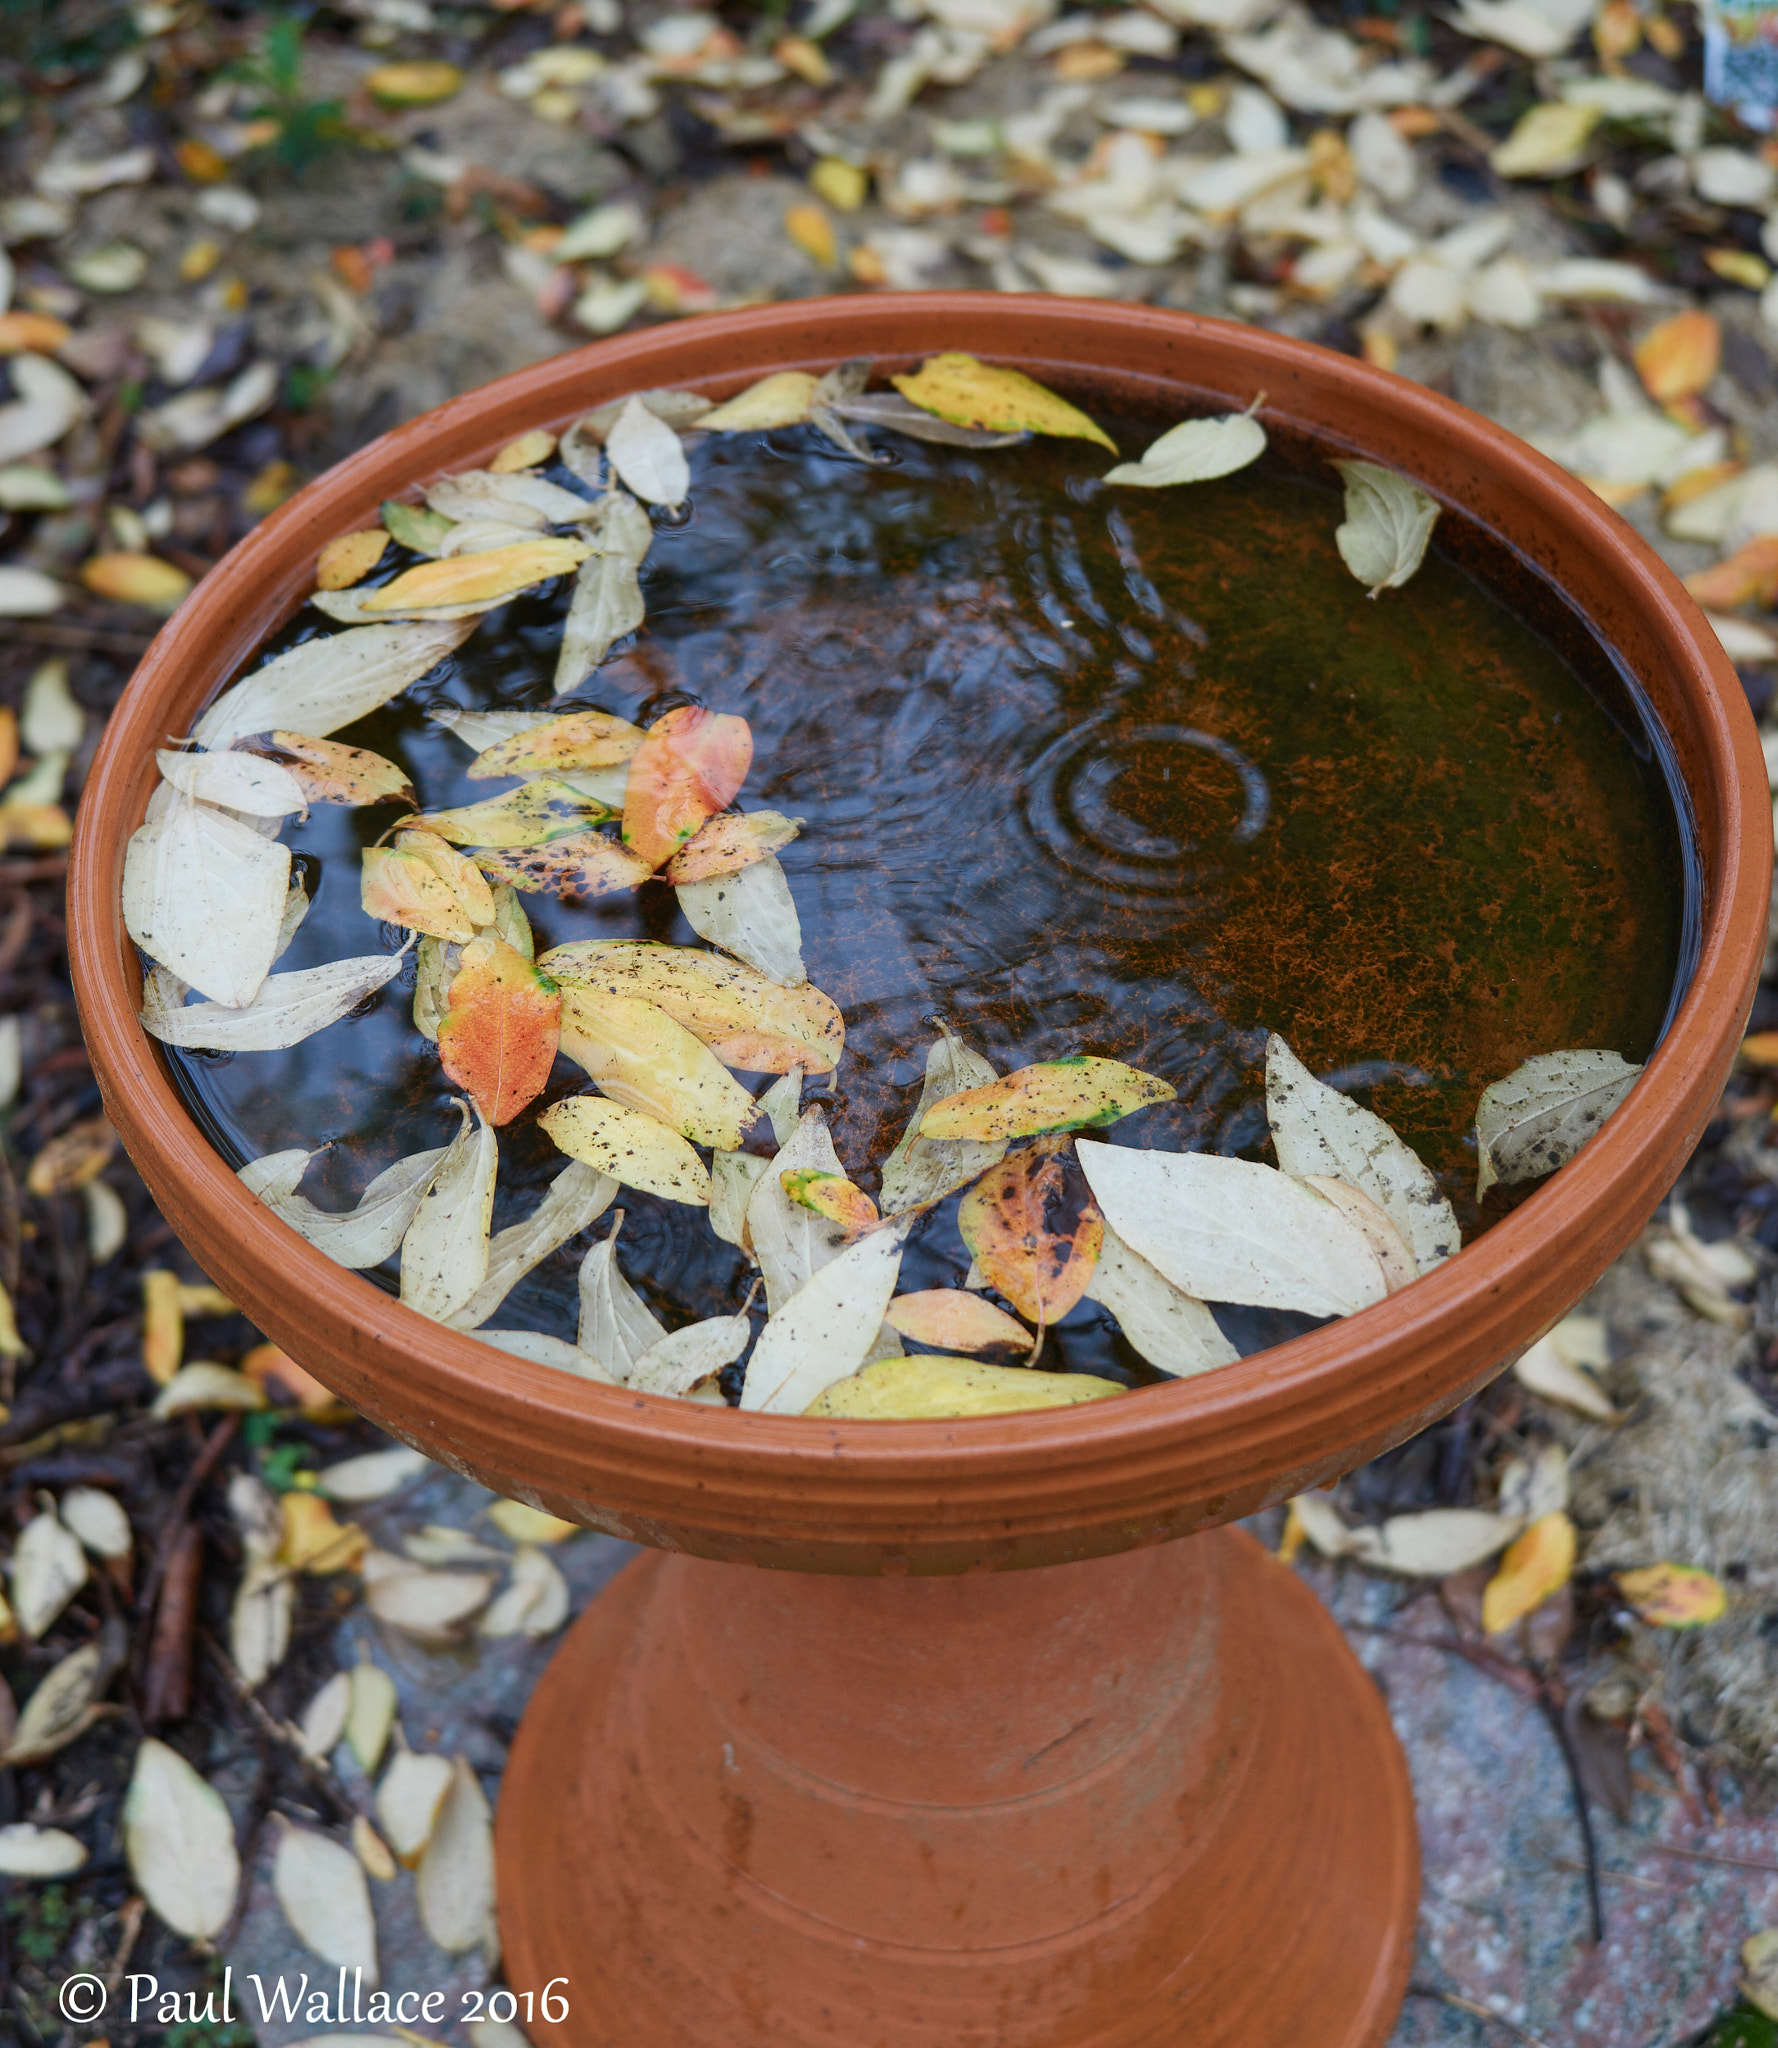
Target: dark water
[(1134, 773)]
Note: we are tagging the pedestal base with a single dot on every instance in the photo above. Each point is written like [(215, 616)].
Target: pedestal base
[(1133, 1803)]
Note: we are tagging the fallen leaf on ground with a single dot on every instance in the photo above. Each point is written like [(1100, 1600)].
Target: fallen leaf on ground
[(1547, 140), (206, 1385), (1759, 1958), (1544, 1111), (497, 1041), (826, 1330), (444, 1255), (96, 1518), (629, 1146), (975, 394), (1034, 1234), (1677, 357), (1674, 1595), (321, 1889), (1748, 576), (752, 915), (1553, 1368), (934, 1388), (1056, 1095), (48, 1568), (1537, 1563), (180, 1843), (30, 1851), (373, 1475), (136, 579), (408, 1799), (312, 1541), (69, 1161), (534, 1602), (642, 1059), (61, 1709), (690, 765), (454, 1887), (1195, 451), (429, 1606), (1389, 521), (370, 1713)]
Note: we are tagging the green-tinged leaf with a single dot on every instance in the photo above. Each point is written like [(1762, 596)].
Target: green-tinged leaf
[(459, 874), (826, 1330), (631, 1147), (537, 810), (1033, 1230), (975, 394), (921, 1170), (1173, 1330), (790, 1242), (831, 1195), (1389, 520), (690, 765), (1674, 1595), (935, 1388), (1195, 452), (444, 1256), (952, 1319), (498, 1039), (1545, 1110), (1056, 1095), (414, 526), (641, 1058), (746, 1019), (726, 844), (581, 739), (584, 864)]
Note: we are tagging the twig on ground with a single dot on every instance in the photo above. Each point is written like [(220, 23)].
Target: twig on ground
[(1481, 2012), (1709, 1856)]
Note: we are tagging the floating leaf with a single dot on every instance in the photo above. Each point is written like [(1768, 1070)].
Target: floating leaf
[(408, 1800), (362, 1236), (950, 1319), (415, 527), (920, 1170), (535, 1602), (1545, 1110), (555, 1352), (675, 1364), (974, 394), (1173, 1330), (648, 455), (48, 1569), (1195, 451), (1034, 1235), (1227, 1230), (324, 684), (616, 1326), (180, 1843), (30, 1851), (575, 1199), (205, 895), (746, 1019), (541, 809), (631, 1147), (1674, 1595), (350, 558), (790, 1242), (580, 739), (243, 782), (510, 496), (526, 451), (398, 887), (1537, 1563), (691, 764), (1056, 1095), (1373, 1225), (681, 410), (1678, 357), (498, 1039), (328, 773), (780, 400), (641, 1058), (899, 415), (831, 1195), (1319, 1131), (606, 601), (752, 915), (484, 580), (934, 1388), (320, 1887), (1389, 520), (444, 1256), (726, 844), (826, 1330), (585, 864), (288, 1008), (454, 1887)]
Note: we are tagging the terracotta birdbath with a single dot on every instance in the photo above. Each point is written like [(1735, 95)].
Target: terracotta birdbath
[(936, 1732)]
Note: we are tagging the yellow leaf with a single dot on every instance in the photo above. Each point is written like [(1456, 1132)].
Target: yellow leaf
[(313, 1541), (1055, 1095), (68, 1162), (575, 864), (631, 1147), (1678, 357), (524, 453), (1740, 266), (1698, 483), (1761, 1050), (726, 844), (422, 83), (844, 186), (199, 259), (1748, 576), (485, 579), (540, 809), (12, 1345), (136, 579), (1546, 141), (644, 1060), (462, 876), (163, 1326), (831, 1195), (975, 394), (1759, 1958), (1674, 1595), (1535, 1564), (40, 825), (935, 1387), (529, 1525), (808, 60), (331, 773), (1295, 1535), (269, 487), (953, 1319), (401, 888), (581, 739), (781, 400), (41, 333), (350, 558), (812, 232)]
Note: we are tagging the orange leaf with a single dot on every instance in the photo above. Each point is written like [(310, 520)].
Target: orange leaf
[(1034, 1230), (402, 888), (831, 1195), (498, 1039), (313, 1540), (80, 1154), (274, 1369), (1535, 1565), (812, 232), (9, 743), (583, 739), (1678, 358), (334, 774), (1674, 1595), (1748, 576), (725, 845), (690, 765), (953, 1319), (576, 864)]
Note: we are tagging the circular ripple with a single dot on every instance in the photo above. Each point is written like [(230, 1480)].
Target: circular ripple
[(1072, 800)]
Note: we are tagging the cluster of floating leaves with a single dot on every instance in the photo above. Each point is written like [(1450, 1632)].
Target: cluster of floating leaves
[(599, 806)]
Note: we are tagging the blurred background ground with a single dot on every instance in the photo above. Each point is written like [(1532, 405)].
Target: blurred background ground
[(241, 242)]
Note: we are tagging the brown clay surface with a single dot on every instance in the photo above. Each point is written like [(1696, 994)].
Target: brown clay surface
[(1145, 1800)]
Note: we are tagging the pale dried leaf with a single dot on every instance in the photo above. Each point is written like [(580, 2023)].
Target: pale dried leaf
[(534, 1603), (752, 915), (373, 1476), (206, 1385), (649, 456), (30, 1851), (675, 1364), (323, 1725), (242, 782), (326, 683), (430, 1606), (321, 1888), (1173, 1330), (733, 1178), (444, 1255), (1195, 451), (50, 721), (362, 1236), (1435, 1544), (575, 1199), (62, 1706), (287, 1009), (370, 1714), (920, 1170), (1389, 521), (1227, 1230), (180, 1843), (259, 1622), (413, 1789), (48, 1569), (455, 1885), (606, 601), (616, 1326), (935, 1387), (552, 1351), (1545, 1110), (827, 1329), (372, 1851), (205, 897), (1372, 1224), (96, 1518), (1533, 1487), (1546, 1372)]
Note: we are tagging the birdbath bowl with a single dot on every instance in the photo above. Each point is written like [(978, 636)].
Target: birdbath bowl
[(942, 1732)]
